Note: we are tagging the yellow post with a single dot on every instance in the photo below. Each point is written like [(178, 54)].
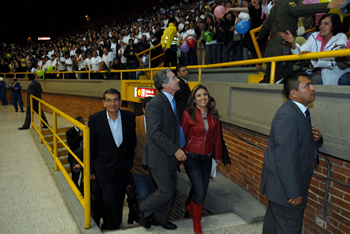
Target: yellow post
[(44, 76), (31, 112), (256, 46), (89, 75), (273, 71), (121, 75), (199, 74), (149, 59), (40, 123), (151, 74), (86, 158), (55, 144), (63, 75)]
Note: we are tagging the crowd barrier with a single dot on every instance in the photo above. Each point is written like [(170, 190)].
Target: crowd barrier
[(84, 200)]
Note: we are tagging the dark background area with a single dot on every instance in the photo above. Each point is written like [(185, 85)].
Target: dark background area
[(22, 19)]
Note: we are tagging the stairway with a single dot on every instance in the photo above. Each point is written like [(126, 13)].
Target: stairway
[(62, 151)]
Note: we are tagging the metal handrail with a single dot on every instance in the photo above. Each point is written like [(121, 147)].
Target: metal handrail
[(272, 60), (84, 200), (149, 50)]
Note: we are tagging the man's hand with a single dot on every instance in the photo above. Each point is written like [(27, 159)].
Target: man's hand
[(165, 49), (228, 166), (317, 134), (92, 177), (182, 168), (336, 4), (77, 166), (180, 155), (304, 52), (295, 201)]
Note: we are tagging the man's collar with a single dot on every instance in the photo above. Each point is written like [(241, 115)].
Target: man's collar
[(301, 106), (183, 79), (108, 118)]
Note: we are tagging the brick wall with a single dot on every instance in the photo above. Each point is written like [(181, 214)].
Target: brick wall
[(72, 105), (247, 162)]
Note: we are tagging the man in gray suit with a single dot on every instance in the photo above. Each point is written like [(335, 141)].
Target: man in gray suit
[(34, 88), (290, 158), (161, 153)]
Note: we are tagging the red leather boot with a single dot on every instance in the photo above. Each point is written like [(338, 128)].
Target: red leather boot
[(190, 209), (197, 216)]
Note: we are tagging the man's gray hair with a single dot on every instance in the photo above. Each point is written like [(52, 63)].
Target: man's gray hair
[(161, 78)]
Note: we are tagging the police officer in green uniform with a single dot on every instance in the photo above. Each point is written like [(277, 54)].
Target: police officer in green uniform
[(284, 16)]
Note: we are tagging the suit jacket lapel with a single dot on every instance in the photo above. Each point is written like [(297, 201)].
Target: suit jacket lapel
[(166, 100), (305, 121)]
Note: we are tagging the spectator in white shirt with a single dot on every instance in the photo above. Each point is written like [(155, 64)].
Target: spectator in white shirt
[(95, 65)]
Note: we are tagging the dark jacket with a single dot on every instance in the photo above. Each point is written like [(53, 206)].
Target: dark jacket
[(228, 35), (34, 88), (130, 58), (181, 96), (199, 141), (73, 140), (105, 156)]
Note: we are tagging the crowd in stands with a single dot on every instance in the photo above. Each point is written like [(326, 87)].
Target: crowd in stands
[(114, 46)]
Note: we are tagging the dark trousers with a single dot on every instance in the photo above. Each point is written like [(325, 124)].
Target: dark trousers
[(159, 203), (28, 119), (198, 168), (17, 97), (75, 175), (170, 57), (3, 98), (97, 209), (113, 192), (282, 220), (282, 70)]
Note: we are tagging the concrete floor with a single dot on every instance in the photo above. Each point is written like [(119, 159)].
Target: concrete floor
[(30, 200)]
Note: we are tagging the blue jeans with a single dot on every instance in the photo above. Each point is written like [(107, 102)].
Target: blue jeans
[(229, 51), (344, 79), (198, 168), (132, 65), (144, 185)]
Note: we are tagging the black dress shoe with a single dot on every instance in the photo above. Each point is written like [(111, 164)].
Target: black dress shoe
[(167, 225), (144, 222), (22, 128), (22, 110), (45, 126), (16, 110)]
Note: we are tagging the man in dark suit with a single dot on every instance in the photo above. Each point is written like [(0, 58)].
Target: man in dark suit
[(34, 88), (290, 158), (74, 140), (181, 96), (112, 150), (162, 150)]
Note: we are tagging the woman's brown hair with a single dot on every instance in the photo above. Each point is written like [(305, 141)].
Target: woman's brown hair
[(191, 106)]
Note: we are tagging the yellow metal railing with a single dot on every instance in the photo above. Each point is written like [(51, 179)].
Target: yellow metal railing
[(84, 200), (272, 60), (150, 58)]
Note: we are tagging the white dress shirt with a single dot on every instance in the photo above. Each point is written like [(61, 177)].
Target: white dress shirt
[(116, 128)]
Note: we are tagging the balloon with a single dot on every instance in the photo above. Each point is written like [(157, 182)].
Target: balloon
[(219, 11), (312, 1), (49, 69), (185, 48), (346, 3), (338, 12), (243, 26), (9, 56), (191, 42), (40, 72), (322, 1), (208, 36)]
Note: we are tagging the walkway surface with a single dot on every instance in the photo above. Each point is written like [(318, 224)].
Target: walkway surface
[(30, 200)]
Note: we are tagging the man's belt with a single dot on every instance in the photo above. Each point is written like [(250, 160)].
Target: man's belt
[(277, 34)]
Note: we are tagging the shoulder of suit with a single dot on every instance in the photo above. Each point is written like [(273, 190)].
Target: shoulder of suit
[(97, 114)]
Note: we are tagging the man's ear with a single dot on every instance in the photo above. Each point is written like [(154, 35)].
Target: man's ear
[(293, 93), (164, 85)]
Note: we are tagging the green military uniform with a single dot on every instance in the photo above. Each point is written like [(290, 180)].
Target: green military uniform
[(284, 16)]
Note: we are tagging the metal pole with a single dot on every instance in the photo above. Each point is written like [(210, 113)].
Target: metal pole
[(55, 144), (40, 123), (86, 158), (273, 72)]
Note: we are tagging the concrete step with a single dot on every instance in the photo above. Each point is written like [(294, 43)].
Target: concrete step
[(59, 130), (221, 223), (225, 196)]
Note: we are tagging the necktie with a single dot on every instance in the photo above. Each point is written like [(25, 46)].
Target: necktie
[(308, 117), (181, 132)]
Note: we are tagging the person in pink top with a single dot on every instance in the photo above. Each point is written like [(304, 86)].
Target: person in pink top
[(330, 37)]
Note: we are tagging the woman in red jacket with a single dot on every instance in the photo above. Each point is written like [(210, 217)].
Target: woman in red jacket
[(201, 127)]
